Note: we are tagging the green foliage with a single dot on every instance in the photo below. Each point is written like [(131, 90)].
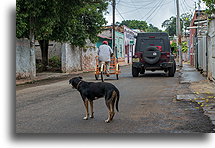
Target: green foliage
[(142, 25), (170, 24), (61, 20), (152, 28), (135, 24), (55, 62), (184, 47), (210, 6), (174, 45), (186, 19)]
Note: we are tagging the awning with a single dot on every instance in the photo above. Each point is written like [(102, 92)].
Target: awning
[(104, 37)]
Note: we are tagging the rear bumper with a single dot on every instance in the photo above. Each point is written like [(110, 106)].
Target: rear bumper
[(166, 64), (157, 66)]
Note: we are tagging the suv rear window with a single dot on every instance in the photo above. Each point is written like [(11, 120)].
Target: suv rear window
[(145, 43), (159, 40)]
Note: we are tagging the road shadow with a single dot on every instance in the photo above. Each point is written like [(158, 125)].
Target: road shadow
[(154, 75)]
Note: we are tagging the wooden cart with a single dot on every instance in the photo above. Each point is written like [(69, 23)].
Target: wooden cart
[(101, 68)]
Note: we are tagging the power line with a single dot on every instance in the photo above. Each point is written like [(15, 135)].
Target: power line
[(120, 14), (182, 7), (188, 5), (161, 7), (154, 10), (156, 6), (135, 6)]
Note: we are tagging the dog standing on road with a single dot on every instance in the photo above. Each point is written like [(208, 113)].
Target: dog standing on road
[(91, 91)]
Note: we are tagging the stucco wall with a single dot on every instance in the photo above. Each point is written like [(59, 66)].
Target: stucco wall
[(211, 50), (54, 50), (70, 58), (77, 59), (25, 59), (89, 54)]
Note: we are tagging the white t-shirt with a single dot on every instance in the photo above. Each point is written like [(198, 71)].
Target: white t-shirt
[(104, 52)]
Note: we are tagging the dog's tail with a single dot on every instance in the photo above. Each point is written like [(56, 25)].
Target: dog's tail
[(117, 100)]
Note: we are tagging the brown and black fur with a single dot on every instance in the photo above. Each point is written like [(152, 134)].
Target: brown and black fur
[(91, 91)]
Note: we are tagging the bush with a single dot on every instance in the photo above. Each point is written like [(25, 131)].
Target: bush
[(54, 64)]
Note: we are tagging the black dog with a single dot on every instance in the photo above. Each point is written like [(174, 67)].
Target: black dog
[(91, 91)]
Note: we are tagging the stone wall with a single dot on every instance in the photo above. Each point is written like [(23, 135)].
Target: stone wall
[(25, 59)]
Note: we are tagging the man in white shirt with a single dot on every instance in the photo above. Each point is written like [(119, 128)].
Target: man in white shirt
[(104, 53)]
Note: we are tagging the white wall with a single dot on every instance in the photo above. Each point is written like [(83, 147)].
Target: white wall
[(211, 50), (25, 59), (54, 50), (70, 58), (77, 59)]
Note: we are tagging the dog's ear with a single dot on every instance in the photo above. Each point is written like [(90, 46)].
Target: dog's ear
[(80, 78)]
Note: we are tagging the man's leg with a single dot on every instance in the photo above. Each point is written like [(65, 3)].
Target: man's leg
[(107, 67)]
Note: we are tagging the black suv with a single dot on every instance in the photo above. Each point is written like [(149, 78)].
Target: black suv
[(153, 52)]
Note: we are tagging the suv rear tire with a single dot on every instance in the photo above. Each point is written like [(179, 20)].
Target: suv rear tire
[(135, 71), (171, 70)]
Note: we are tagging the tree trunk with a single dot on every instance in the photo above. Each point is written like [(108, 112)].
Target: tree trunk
[(44, 45)]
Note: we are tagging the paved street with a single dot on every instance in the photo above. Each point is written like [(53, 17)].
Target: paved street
[(147, 105)]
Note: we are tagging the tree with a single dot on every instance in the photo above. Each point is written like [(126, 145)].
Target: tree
[(135, 24), (186, 19), (184, 46), (210, 6), (60, 20), (174, 45), (170, 24), (152, 28)]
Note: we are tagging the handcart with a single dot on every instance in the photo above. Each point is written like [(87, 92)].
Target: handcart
[(101, 68)]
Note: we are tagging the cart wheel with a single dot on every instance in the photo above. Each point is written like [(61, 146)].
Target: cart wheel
[(96, 76), (117, 70), (117, 76), (102, 72)]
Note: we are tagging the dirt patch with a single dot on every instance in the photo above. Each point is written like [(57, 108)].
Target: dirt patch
[(203, 87)]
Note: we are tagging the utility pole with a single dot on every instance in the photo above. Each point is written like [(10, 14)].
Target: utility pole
[(178, 31), (113, 35)]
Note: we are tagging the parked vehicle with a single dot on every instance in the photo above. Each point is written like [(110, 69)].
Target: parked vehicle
[(153, 52)]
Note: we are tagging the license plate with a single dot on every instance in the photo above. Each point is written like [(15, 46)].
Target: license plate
[(136, 60)]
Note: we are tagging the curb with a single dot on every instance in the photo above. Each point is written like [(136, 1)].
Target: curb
[(47, 77)]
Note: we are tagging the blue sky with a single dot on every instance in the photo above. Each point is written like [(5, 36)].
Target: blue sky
[(152, 11)]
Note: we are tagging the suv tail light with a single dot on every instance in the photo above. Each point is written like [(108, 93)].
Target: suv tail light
[(159, 48), (167, 54), (135, 56)]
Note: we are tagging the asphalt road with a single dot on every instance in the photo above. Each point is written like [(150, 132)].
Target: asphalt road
[(147, 105)]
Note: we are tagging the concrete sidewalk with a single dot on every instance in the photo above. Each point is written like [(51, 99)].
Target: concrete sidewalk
[(52, 75), (203, 90), (45, 76)]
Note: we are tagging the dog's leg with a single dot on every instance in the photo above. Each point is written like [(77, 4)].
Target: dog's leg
[(112, 113), (109, 112), (91, 109), (86, 107), (112, 102)]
